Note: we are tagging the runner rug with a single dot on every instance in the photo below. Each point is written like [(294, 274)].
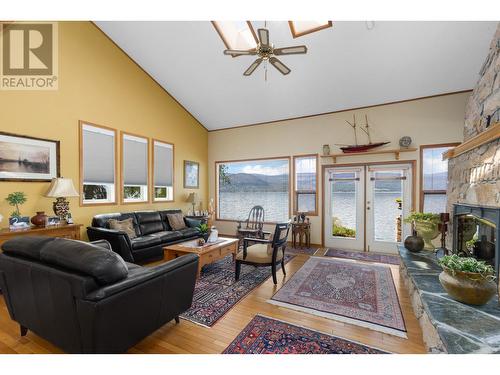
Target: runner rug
[(269, 336), (301, 250), (359, 294), (216, 291), (364, 256)]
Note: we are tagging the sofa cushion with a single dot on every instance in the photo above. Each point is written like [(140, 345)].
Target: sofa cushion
[(102, 220), (26, 246), (145, 241), (149, 222), (126, 226), (167, 236), (176, 221), (189, 232), (164, 219), (193, 223), (105, 266)]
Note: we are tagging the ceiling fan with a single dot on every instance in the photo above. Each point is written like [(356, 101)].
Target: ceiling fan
[(267, 52)]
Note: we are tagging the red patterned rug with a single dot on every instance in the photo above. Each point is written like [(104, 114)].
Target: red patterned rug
[(364, 256), (269, 336), (216, 292), (360, 294)]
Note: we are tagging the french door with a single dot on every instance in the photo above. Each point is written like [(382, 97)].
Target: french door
[(364, 206)]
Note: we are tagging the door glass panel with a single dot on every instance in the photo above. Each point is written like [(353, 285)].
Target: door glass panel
[(387, 191), (344, 197)]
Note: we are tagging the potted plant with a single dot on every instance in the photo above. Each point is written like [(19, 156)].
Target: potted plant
[(204, 231), (426, 225), (16, 220), (467, 279)]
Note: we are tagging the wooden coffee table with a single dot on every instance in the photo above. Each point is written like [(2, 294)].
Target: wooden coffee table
[(207, 253)]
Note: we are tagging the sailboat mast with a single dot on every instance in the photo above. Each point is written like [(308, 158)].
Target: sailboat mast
[(368, 130), (354, 127)]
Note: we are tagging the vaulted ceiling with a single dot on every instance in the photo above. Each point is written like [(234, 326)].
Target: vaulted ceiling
[(347, 66)]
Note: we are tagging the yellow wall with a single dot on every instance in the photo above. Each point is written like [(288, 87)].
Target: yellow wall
[(100, 84), (427, 121)]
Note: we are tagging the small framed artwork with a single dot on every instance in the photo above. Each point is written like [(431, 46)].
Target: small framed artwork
[(53, 220), (24, 158), (191, 174)]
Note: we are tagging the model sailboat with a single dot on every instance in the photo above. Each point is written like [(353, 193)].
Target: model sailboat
[(360, 148)]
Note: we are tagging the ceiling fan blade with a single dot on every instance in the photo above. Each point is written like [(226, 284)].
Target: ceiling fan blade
[(295, 50), (252, 67), (279, 65), (236, 52), (263, 36)]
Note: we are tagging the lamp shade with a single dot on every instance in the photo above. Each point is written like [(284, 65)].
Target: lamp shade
[(61, 187), (192, 198)]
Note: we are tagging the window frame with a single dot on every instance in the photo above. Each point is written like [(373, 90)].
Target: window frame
[(153, 185), (147, 195), (217, 162), (97, 202), (294, 190), (224, 40), (296, 34), (421, 172)]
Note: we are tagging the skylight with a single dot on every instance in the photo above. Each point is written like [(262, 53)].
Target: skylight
[(299, 28), (238, 35)]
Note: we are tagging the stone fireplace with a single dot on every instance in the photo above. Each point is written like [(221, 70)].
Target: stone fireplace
[(474, 175)]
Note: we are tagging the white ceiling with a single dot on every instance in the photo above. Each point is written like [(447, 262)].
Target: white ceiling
[(346, 66)]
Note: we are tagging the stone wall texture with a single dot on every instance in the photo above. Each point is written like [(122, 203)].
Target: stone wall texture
[(474, 177)]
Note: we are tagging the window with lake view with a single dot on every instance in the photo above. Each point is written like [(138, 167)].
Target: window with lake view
[(244, 184), (305, 181)]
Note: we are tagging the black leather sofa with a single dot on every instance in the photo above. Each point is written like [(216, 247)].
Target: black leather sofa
[(153, 233), (84, 298)]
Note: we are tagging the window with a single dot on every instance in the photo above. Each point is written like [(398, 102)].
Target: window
[(238, 35), (163, 171), (244, 184), (304, 183), (97, 169), (135, 163), (300, 28), (433, 177)]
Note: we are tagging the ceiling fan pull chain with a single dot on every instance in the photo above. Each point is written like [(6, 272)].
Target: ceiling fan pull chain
[(265, 71)]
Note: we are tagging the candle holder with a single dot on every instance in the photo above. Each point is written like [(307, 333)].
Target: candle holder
[(443, 228)]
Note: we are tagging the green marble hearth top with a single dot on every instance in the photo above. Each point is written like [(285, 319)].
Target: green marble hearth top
[(460, 328)]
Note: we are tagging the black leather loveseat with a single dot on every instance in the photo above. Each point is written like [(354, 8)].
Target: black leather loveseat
[(152, 229), (85, 299)]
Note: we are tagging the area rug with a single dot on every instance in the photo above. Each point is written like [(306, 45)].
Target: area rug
[(364, 256), (360, 294), (301, 250), (216, 291), (269, 336)]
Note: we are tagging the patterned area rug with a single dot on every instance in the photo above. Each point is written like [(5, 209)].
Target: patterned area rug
[(301, 250), (360, 294), (216, 291), (367, 257), (269, 336)]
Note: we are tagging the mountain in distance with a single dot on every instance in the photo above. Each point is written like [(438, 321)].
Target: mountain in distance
[(246, 182)]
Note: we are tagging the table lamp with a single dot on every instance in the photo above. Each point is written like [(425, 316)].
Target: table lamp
[(61, 188), (193, 199)]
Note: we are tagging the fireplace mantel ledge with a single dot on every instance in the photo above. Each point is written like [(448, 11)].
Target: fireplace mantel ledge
[(447, 326), (487, 136)]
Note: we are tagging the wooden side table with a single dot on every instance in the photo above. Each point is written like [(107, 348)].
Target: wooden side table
[(303, 231), (71, 231)]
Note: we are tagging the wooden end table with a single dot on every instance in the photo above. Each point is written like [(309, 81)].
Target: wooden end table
[(207, 253), (301, 230)]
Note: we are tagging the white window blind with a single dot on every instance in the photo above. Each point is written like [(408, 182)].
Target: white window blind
[(135, 160), (98, 155)]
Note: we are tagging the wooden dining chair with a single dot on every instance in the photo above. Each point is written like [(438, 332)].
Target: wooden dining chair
[(253, 226), (262, 252)]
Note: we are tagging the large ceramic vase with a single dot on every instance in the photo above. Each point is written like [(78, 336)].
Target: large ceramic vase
[(467, 287), (428, 231)]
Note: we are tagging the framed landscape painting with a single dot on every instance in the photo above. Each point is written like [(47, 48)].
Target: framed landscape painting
[(191, 174), (24, 158)]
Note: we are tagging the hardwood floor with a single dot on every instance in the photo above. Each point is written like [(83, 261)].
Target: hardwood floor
[(188, 337)]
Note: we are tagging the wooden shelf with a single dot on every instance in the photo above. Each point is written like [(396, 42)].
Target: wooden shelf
[(487, 136), (395, 152)]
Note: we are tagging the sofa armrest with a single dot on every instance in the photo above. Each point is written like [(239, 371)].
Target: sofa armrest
[(119, 241), (146, 273)]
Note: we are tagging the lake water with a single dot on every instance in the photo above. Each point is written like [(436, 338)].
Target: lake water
[(236, 206), (14, 166)]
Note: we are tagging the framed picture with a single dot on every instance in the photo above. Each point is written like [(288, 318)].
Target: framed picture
[(24, 158), (53, 220), (191, 174)]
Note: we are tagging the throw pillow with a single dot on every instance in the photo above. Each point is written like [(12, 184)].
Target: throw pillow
[(126, 226), (176, 221)]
